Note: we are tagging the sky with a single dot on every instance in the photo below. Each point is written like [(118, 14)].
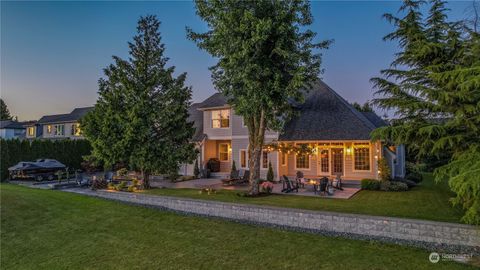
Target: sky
[(53, 53)]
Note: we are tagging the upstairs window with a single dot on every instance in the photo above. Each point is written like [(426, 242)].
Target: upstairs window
[(31, 131), (59, 130), (221, 119), (76, 131)]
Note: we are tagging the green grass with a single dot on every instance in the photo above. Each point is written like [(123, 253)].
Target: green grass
[(428, 201), (45, 229)]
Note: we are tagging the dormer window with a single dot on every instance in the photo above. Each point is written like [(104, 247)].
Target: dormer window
[(221, 119)]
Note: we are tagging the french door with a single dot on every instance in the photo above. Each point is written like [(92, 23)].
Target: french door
[(337, 161)]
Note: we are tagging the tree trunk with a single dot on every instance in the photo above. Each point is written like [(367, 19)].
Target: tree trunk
[(256, 129), (146, 179)]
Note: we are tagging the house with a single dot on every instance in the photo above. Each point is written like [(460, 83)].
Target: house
[(10, 129), (58, 126), (339, 134)]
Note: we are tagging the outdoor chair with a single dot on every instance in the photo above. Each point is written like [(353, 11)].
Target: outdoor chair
[(300, 179), (323, 185), (235, 179), (288, 185)]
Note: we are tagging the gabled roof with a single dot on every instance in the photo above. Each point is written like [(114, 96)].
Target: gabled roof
[(10, 124), (325, 115), (73, 116), (214, 101), (196, 117)]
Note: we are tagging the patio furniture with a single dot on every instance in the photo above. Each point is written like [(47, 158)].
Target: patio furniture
[(300, 179), (237, 181), (288, 185), (337, 182), (322, 187)]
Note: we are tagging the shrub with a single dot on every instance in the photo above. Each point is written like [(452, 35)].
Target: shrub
[(98, 183), (131, 188), (393, 186), (122, 172), (213, 165), (266, 187), (111, 186), (233, 170), (385, 171), (370, 184), (173, 176), (121, 186), (415, 177), (196, 170), (270, 172)]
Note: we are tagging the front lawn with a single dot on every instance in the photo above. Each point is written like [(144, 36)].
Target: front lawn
[(428, 201), (45, 229)]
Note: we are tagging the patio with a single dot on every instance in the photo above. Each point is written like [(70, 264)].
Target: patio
[(215, 183)]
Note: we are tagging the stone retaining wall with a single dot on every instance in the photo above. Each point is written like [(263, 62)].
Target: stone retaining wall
[(430, 234)]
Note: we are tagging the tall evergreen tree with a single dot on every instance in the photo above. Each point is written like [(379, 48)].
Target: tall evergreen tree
[(265, 57), (4, 112), (141, 115), (434, 87)]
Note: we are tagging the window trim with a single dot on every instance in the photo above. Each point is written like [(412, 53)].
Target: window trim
[(56, 130), (240, 158), (212, 119), (49, 129), (369, 156), (228, 152), (31, 129), (74, 127), (329, 163), (295, 161)]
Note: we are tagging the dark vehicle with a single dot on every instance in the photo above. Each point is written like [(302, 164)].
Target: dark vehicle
[(39, 170)]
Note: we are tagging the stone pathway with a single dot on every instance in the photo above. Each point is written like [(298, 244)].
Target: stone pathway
[(436, 236)]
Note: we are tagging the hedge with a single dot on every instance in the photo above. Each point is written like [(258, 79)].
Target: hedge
[(68, 152)]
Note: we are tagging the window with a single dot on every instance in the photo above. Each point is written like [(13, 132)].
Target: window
[(264, 160), (49, 129), (31, 131), (302, 161), (223, 151), (324, 161), (59, 130), (221, 119), (361, 154), (243, 159), (76, 131), (284, 159)]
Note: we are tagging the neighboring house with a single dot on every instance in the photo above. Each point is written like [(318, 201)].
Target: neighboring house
[(339, 133), (58, 126), (10, 129)]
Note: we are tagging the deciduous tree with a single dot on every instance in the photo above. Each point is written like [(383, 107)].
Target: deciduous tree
[(266, 55)]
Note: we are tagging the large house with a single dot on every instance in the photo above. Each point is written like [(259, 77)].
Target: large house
[(58, 126), (338, 132), (10, 129)]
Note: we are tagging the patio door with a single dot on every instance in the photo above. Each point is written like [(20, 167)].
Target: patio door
[(323, 162), (337, 161)]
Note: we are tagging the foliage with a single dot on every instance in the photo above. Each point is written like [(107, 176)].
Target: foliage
[(121, 186), (299, 149), (196, 169), (433, 86), (463, 173), (68, 152), (213, 165), (122, 172), (141, 115), (266, 55), (385, 171), (173, 176), (393, 186), (4, 112), (414, 176), (270, 172), (233, 170), (266, 187), (366, 107), (370, 184)]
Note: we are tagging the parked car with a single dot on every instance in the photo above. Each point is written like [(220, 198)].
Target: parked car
[(39, 170)]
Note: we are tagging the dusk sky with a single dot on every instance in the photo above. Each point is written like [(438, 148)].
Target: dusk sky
[(53, 53)]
